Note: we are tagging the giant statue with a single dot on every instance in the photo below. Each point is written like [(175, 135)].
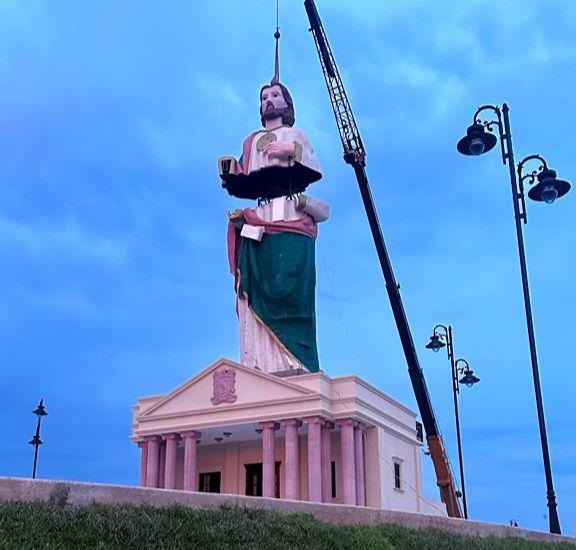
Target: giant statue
[(271, 248)]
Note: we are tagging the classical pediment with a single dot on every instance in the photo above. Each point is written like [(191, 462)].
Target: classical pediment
[(225, 384)]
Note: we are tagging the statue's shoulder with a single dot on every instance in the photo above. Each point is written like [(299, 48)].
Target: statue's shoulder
[(251, 137), (297, 133)]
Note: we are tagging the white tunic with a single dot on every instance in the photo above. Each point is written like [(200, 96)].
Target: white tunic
[(304, 152)]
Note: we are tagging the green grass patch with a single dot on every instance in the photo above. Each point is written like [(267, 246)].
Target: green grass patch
[(26, 525)]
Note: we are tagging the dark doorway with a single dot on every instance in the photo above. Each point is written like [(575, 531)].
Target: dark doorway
[(210, 482), (254, 479)]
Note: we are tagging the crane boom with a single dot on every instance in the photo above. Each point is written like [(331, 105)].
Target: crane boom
[(355, 155)]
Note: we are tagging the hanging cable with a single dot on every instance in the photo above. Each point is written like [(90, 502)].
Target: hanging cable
[(277, 15)]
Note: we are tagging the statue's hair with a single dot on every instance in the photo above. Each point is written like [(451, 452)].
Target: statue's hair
[(288, 117)]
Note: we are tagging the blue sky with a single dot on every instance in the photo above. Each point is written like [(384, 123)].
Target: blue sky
[(112, 221)]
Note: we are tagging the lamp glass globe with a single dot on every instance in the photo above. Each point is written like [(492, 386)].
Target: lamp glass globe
[(549, 194), (476, 146)]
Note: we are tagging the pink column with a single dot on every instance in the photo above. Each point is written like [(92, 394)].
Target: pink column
[(268, 463), (170, 462), (359, 464), (327, 427), (143, 462), (291, 459), (347, 466), (314, 458), (153, 460), (162, 463), (190, 460)]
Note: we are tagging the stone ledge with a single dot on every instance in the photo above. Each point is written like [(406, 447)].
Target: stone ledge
[(80, 494)]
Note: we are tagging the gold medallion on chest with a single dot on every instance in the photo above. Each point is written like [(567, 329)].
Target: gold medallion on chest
[(265, 140)]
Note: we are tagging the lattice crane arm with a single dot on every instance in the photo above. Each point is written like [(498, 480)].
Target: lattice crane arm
[(355, 155)]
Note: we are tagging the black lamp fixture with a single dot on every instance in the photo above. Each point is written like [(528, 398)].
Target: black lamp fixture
[(469, 378), (549, 187), (544, 186), (477, 140), (442, 337), (435, 343), (480, 139)]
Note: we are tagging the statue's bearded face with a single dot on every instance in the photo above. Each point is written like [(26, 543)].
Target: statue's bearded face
[(272, 103)]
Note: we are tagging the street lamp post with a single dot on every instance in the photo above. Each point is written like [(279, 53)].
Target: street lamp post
[(40, 412), (479, 139), (442, 337)]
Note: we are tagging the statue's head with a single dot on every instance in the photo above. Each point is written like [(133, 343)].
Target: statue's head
[(275, 101)]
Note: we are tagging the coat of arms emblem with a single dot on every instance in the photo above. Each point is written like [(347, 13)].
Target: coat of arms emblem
[(224, 386)]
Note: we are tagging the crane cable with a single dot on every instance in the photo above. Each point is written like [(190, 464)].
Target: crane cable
[(277, 17)]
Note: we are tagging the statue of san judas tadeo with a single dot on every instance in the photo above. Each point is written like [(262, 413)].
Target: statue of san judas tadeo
[(271, 248)]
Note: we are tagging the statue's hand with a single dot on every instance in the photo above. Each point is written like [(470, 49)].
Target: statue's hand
[(237, 218), (280, 149), (301, 202)]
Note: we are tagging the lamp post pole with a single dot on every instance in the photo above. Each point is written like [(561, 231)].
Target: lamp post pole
[(442, 336), (39, 411), (554, 521), (477, 137), (455, 392)]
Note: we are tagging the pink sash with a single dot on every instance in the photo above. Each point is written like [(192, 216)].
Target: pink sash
[(304, 225)]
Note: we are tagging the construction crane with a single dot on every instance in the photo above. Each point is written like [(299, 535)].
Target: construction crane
[(355, 155)]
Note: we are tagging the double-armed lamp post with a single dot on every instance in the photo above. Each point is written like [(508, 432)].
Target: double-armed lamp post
[(442, 337), (40, 412), (544, 187)]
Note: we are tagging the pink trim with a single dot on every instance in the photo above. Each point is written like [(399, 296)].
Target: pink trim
[(162, 464), (291, 460), (314, 458), (268, 452), (233, 240), (153, 461), (347, 460), (359, 465), (246, 151), (143, 462), (170, 464), (304, 225), (327, 461), (190, 459), (224, 386)]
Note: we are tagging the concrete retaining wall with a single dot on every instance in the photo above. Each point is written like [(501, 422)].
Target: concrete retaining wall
[(79, 494)]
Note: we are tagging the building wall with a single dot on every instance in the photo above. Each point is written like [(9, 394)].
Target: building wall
[(381, 449), (392, 449), (374, 478), (229, 459)]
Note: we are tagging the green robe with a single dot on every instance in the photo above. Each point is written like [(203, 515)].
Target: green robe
[(278, 277)]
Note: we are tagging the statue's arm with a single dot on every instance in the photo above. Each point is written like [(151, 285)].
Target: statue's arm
[(229, 165), (316, 208), (303, 151)]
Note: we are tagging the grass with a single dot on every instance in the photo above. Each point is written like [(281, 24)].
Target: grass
[(25, 525)]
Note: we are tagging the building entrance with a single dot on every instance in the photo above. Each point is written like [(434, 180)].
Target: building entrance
[(254, 479), (209, 482)]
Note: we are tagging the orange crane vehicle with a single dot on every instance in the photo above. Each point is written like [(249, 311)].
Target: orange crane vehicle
[(355, 155)]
